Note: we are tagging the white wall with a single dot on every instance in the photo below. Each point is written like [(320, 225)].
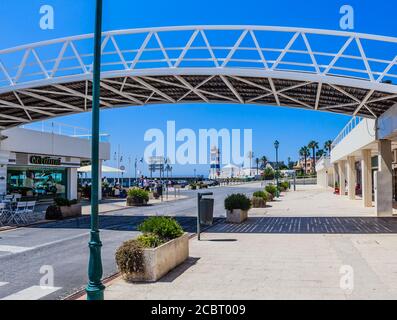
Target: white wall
[(387, 124), (361, 136), (31, 141)]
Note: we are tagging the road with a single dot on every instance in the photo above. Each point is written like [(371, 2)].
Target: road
[(29, 256)]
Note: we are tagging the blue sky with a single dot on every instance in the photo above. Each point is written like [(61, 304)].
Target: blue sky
[(19, 23)]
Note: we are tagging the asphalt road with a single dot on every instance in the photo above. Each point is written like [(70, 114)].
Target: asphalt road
[(29, 255)]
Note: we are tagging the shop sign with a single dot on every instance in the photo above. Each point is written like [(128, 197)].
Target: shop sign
[(50, 161)]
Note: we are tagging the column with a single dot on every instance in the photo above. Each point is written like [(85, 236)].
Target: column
[(342, 177), (351, 177), (384, 180), (72, 183), (366, 177), (335, 174)]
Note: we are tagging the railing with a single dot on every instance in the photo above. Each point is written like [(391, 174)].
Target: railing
[(266, 48), (64, 129), (354, 122)]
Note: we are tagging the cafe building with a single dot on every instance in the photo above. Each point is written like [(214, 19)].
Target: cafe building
[(43, 165)]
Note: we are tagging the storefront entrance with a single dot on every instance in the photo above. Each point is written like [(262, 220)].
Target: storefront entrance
[(37, 182)]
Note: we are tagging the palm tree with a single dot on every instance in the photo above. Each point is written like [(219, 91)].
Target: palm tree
[(264, 162), (320, 153), (313, 145), (257, 166), (328, 146), (304, 152)]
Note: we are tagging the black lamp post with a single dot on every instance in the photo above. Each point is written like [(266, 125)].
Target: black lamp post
[(276, 145)]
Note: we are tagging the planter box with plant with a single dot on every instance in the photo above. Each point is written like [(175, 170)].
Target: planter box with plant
[(272, 189), (63, 208), (162, 247), (259, 199), (137, 197), (237, 206), (284, 186)]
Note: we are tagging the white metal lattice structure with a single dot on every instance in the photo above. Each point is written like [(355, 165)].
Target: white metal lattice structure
[(314, 69)]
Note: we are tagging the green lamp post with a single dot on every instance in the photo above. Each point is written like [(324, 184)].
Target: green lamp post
[(276, 145), (95, 286)]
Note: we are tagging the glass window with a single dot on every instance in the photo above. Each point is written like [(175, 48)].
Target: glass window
[(37, 182)]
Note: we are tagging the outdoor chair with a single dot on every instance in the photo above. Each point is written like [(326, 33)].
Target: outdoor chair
[(30, 205), (3, 214), (18, 215)]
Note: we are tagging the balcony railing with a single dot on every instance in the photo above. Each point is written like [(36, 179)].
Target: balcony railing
[(64, 129), (354, 122)]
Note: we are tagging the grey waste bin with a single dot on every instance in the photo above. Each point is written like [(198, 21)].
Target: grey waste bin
[(206, 211)]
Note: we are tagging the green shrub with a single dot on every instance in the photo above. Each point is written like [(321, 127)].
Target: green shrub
[(164, 227), (193, 186), (264, 195), (272, 189), (138, 195), (284, 185), (63, 202), (259, 194), (149, 240), (237, 201), (129, 258), (268, 196)]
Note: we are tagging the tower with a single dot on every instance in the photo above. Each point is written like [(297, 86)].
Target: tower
[(215, 164)]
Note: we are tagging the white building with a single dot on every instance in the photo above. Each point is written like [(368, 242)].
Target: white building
[(363, 162), (42, 164)]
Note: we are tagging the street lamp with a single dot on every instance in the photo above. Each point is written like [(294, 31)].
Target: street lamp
[(276, 145), (95, 287)]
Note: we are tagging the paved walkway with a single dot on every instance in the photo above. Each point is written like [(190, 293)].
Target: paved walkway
[(236, 262), (314, 201)]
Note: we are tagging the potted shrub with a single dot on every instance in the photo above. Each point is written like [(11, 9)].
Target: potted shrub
[(63, 208), (284, 186), (137, 197), (193, 186), (272, 189), (337, 190), (162, 246), (259, 199), (237, 206)]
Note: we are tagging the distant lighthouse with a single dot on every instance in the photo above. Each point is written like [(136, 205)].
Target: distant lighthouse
[(215, 170)]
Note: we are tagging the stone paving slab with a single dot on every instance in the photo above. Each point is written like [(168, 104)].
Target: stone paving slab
[(274, 266)]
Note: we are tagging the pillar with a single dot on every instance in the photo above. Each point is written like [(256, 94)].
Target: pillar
[(335, 174), (366, 177), (351, 177), (342, 177), (72, 183), (384, 180)]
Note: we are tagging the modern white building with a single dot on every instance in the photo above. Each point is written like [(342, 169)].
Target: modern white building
[(363, 162), (43, 164)]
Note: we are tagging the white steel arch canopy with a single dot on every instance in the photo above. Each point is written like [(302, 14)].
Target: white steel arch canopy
[(323, 70)]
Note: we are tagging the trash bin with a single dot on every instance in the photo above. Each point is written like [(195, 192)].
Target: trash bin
[(206, 211)]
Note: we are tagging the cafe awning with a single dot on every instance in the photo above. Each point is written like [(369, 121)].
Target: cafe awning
[(104, 169)]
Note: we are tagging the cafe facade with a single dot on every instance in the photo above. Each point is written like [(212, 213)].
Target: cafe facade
[(43, 165)]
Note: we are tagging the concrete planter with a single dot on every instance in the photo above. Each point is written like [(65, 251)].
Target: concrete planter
[(133, 202), (73, 211), (159, 261), (236, 215)]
